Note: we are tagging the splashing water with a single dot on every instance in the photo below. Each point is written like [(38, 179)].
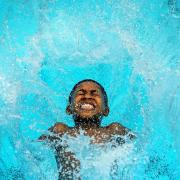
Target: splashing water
[(131, 47)]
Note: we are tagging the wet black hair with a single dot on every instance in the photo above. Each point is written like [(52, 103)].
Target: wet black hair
[(90, 80)]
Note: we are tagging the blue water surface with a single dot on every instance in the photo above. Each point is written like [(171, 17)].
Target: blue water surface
[(131, 47)]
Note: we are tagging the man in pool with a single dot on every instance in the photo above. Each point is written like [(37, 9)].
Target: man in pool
[(88, 103)]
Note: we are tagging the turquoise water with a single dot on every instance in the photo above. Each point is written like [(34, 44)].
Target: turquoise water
[(130, 46)]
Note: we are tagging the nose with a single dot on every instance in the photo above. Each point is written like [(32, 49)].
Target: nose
[(88, 95)]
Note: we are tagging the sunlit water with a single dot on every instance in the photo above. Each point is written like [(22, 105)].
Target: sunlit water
[(130, 46)]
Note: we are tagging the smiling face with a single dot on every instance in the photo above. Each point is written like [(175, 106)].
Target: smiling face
[(88, 101)]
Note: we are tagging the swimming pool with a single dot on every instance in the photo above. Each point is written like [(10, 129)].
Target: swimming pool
[(131, 47)]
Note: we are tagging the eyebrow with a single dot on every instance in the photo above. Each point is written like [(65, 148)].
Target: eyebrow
[(81, 90), (94, 90)]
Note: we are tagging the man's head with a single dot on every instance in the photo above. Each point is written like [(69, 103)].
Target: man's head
[(88, 99)]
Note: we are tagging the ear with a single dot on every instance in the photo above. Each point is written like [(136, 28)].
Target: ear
[(106, 111), (68, 109)]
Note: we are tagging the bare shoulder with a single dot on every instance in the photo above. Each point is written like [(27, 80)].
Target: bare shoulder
[(59, 128), (117, 128)]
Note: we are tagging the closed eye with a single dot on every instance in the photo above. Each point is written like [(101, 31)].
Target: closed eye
[(95, 93), (81, 92)]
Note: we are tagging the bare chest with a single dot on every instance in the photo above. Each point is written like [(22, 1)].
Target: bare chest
[(97, 136)]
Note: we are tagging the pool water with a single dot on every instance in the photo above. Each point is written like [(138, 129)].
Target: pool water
[(131, 47)]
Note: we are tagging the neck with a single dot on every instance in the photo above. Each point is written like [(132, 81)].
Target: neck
[(87, 123)]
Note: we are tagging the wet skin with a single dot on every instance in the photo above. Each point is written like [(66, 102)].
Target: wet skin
[(88, 101), (87, 107)]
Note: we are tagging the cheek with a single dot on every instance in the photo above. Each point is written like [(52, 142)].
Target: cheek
[(76, 100), (100, 103)]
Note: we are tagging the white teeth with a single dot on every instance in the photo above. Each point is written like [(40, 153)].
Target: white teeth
[(87, 106)]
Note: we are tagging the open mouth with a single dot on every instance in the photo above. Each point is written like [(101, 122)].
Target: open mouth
[(87, 106)]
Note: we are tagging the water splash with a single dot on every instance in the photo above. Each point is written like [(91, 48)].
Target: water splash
[(131, 47)]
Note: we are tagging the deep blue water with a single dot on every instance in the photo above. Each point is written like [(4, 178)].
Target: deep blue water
[(130, 46)]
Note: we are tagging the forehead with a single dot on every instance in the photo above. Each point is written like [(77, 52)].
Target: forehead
[(88, 86)]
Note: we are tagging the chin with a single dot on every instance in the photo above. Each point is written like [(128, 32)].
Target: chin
[(86, 116)]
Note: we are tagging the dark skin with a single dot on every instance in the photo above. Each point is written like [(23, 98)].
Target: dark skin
[(88, 108)]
